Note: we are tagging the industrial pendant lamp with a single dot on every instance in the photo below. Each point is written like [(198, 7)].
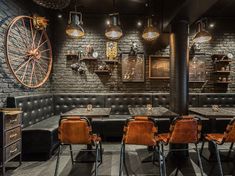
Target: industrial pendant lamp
[(150, 32), (74, 28), (113, 30), (201, 35)]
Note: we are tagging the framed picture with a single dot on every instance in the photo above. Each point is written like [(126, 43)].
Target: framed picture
[(197, 70), (159, 67), (133, 68)]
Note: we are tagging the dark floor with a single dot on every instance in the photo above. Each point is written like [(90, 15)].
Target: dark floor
[(110, 164)]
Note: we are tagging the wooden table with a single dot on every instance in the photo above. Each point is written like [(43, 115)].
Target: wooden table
[(94, 113), (212, 115), (156, 112)]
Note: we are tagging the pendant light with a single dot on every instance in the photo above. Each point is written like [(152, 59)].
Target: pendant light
[(150, 32), (201, 35), (74, 28), (113, 31)]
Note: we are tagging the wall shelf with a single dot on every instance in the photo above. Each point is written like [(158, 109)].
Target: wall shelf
[(223, 82), (223, 72), (89, 59), (110, 61), (102, 72)]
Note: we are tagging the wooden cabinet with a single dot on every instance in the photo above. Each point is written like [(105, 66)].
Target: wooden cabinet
[(10, 136)]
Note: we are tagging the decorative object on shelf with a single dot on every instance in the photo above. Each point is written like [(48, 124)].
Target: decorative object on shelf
[(159, 67), (197, 70), (150, 32), (74, 28), (222, 68), (78, 67), (133, 68), (113, 30), (95, 54), (134, 49), (202, 35), (88, 51), (53, 4), (111, 50), (30, 60)]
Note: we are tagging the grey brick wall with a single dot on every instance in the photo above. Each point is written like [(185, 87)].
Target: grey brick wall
[(8, 85), (65, 80)]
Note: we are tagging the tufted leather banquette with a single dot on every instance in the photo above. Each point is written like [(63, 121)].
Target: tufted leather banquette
[(39, 134), (41, 113)]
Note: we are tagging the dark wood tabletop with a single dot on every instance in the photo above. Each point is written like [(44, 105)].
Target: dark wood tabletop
[(95, 112), (158, 112), (209, 113)]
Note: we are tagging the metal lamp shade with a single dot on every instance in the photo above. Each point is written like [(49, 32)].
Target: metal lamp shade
[(113, 31), (150, 32), (74, 28), (202, 35)]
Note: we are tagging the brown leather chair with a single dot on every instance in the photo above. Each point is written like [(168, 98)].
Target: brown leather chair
[(77, 130), (218, 139), (183, 130), (138, 131)]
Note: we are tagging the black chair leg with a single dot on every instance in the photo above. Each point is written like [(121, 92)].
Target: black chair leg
[(121, 160), (164, 160), (71, 153), (199, 160), (58, 161), (218, 158), (124, 159), (101, 153), (201, 150), (154, 155), (96, 159), (230, 150), (160, 161)]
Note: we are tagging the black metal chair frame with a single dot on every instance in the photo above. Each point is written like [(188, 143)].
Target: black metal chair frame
[(217, 151), (98, 151), (175, 150), (123, 152)]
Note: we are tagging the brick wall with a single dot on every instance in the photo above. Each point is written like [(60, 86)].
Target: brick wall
[(65, 80), (8, 85)]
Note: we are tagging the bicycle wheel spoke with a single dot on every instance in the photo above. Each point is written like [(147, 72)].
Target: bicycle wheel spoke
[(31, 76), (22, 65), (25, 30), (25, 71)]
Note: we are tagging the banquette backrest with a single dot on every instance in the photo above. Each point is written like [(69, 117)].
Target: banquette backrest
[(64, 102), (35, 107), (120, 102), (221, 99)]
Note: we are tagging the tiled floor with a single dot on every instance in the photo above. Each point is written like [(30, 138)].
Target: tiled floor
[(110, 165)]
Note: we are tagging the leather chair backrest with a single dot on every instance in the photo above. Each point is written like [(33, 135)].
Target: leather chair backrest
[(229, 135), (74, 130), (35, 107), (184, 130), (64, 102), (140, 131)]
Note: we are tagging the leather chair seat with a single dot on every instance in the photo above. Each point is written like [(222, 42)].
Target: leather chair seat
[(217, 137)]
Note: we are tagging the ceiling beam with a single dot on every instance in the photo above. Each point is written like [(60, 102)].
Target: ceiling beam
[(188, 9)]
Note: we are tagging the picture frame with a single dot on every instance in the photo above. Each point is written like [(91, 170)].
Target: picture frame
[(133, 67), (159, 67), (197, 70)]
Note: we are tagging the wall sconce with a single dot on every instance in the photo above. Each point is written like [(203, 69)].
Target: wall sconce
[(150, 32), (113, 31), (74, 28), (201, 35)]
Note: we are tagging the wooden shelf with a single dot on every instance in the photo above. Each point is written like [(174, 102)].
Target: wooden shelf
[(222, 71), (89, 59), (110, 61), (223, 82), (223, 61), (197, 81), (102, 72)]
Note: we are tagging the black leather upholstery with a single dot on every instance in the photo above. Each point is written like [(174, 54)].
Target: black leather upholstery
[(119, 102), (64, 102), (221, 99), (40, 125)]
